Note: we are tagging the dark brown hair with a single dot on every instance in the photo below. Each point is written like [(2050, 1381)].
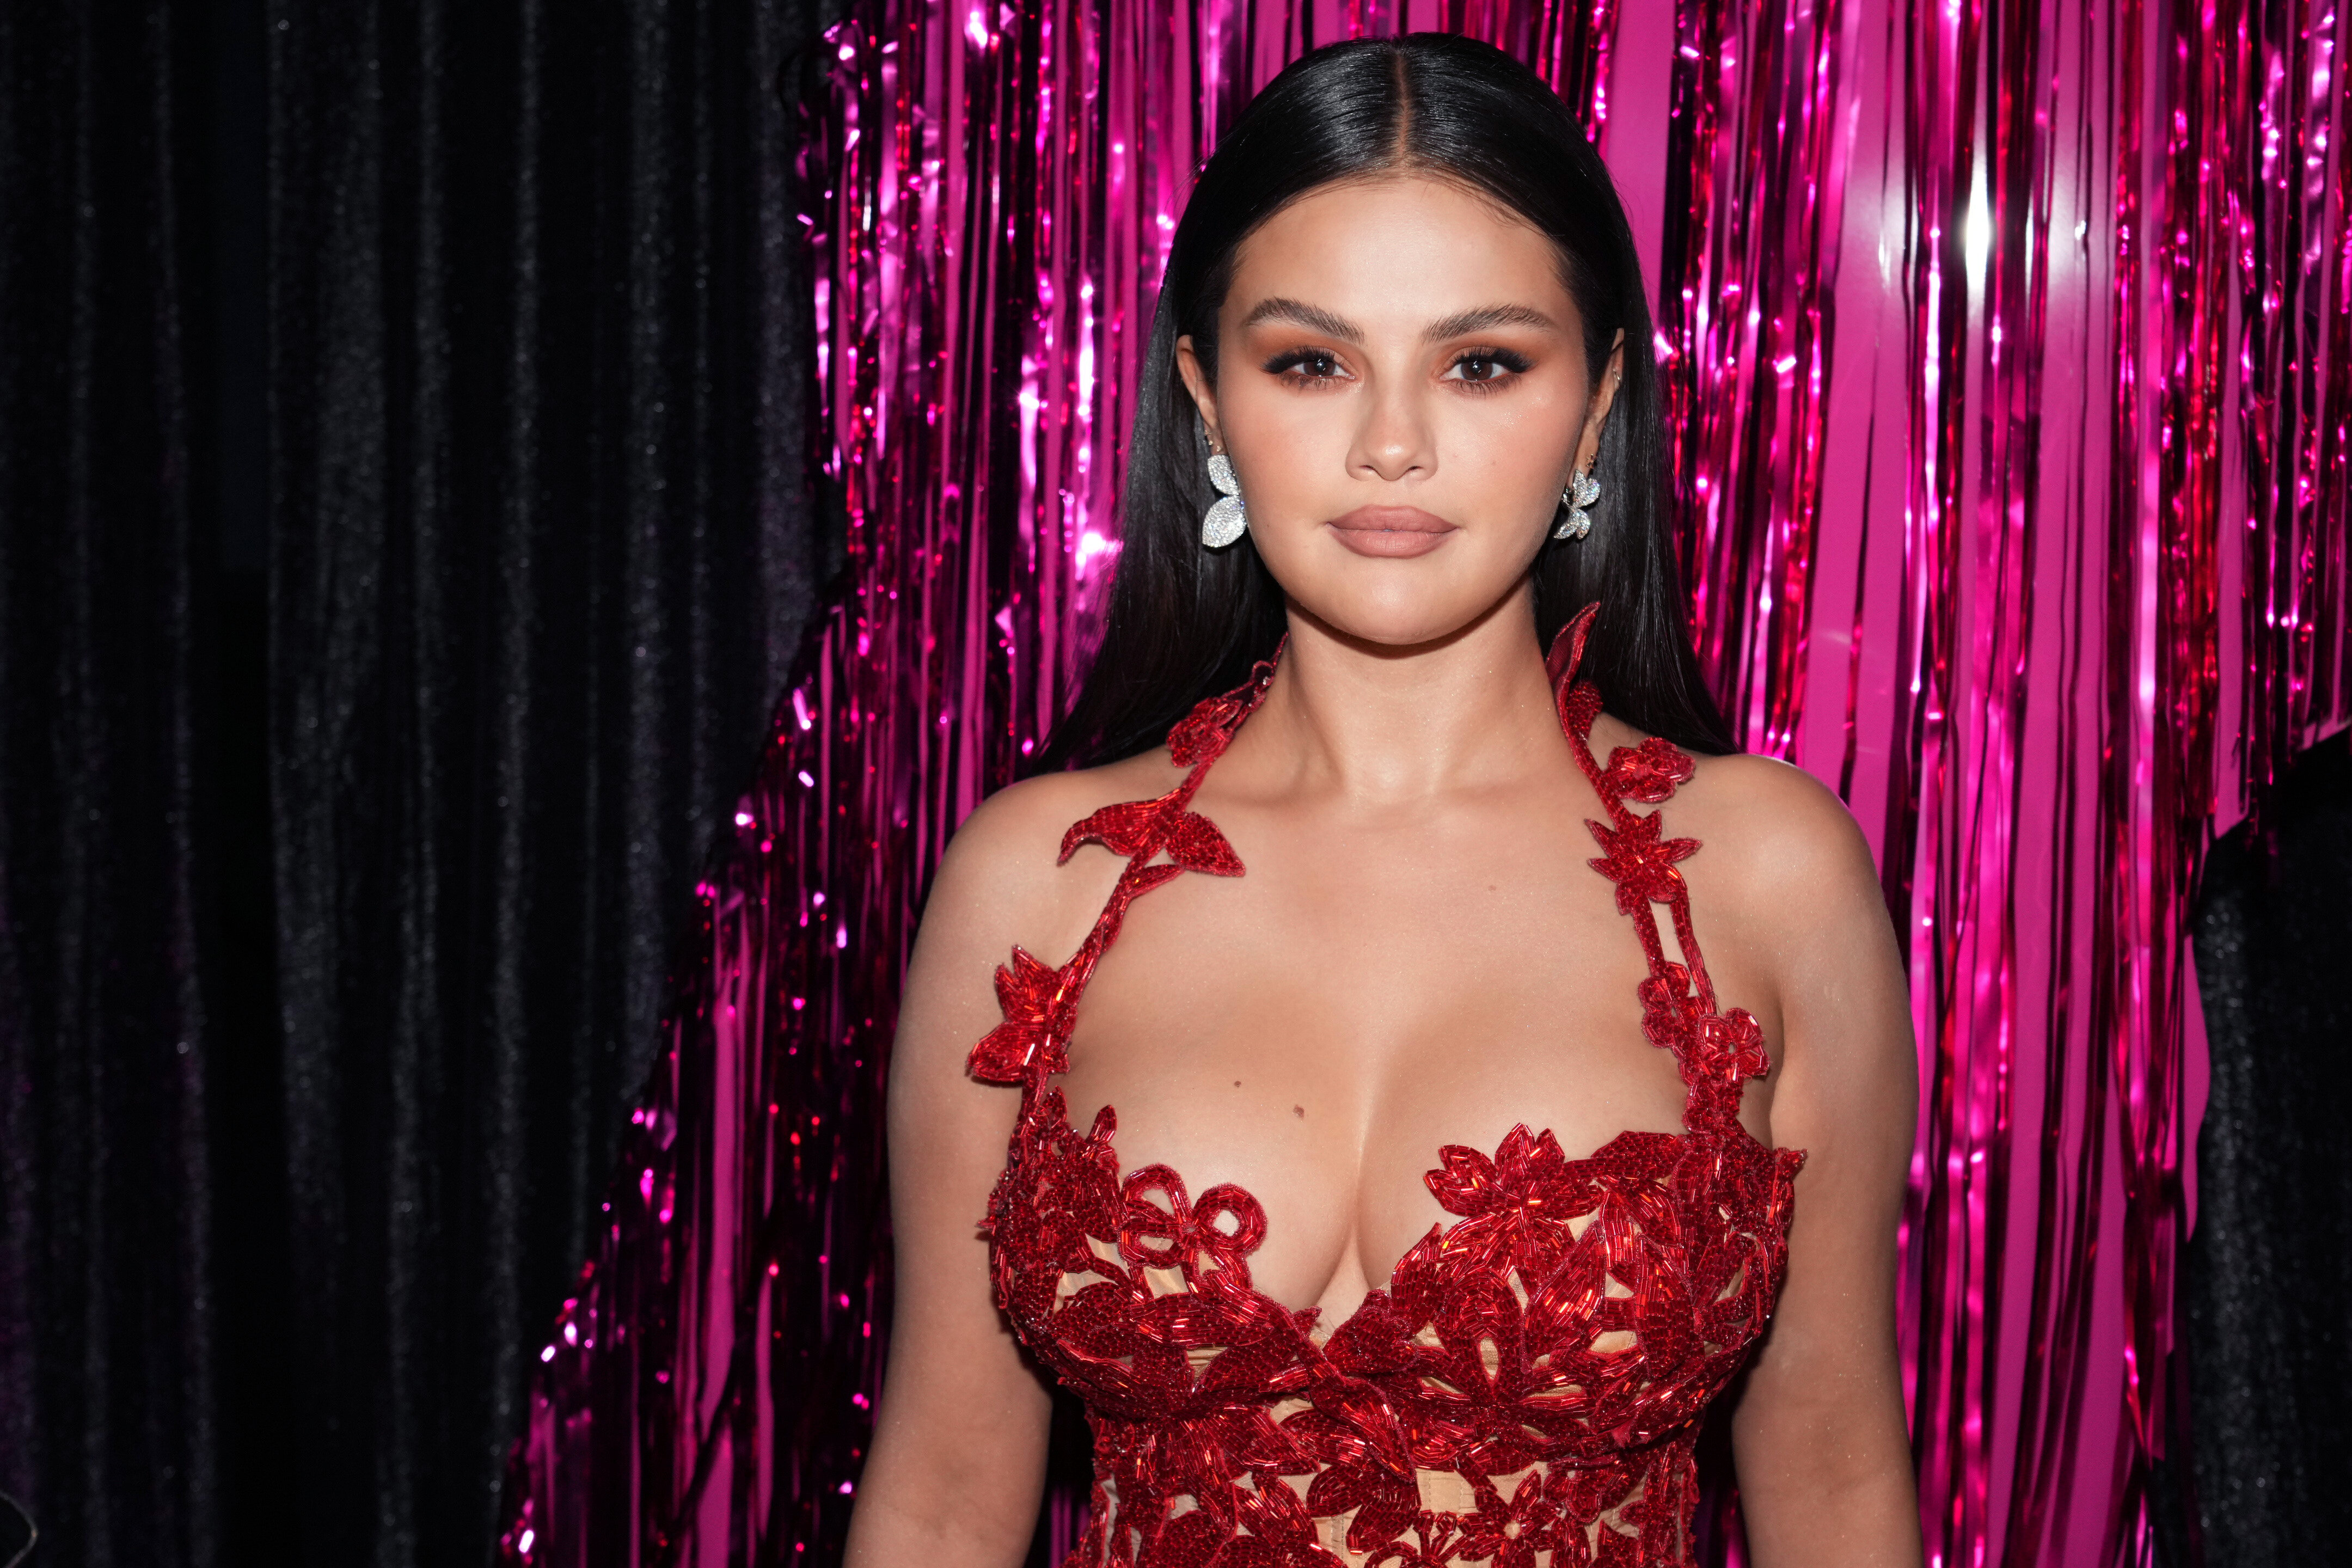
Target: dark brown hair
[(1185, 622)]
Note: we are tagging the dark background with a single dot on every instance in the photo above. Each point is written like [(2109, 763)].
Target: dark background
[(404, 525), (406, 521)]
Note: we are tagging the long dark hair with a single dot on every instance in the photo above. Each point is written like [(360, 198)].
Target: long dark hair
[(1185, 622)]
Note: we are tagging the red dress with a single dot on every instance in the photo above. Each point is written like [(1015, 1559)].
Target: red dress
[(1528, 1388)]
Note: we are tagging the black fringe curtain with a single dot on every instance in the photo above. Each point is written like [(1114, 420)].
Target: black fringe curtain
[(110, 1407), (405, 517), (2268, 1285), (404, 523)]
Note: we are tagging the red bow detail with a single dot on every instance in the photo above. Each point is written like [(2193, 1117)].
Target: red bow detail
[(1175, 1232)]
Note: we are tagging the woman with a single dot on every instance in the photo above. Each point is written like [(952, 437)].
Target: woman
[(1346, 924)]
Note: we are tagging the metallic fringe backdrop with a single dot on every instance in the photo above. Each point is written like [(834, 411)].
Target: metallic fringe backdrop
[(2011, 352)]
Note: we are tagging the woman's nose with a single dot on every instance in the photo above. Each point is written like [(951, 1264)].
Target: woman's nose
[(1393, 440)]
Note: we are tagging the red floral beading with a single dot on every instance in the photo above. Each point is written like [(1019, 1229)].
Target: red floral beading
[(1526, 1390)]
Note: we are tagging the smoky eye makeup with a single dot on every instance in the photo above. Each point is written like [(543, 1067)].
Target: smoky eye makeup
[(1486, 367), (1477, 367), (1305, 364)]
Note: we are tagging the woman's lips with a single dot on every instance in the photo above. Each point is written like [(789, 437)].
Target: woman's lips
[(1390, 531)]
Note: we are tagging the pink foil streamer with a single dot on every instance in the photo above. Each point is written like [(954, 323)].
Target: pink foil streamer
[(2004, 339), (2287, 149)]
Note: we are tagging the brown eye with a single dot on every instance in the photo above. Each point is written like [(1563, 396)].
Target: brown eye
[(1485, 367), (1305, 364)]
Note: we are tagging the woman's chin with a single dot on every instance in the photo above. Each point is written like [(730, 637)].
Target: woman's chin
[(1395, 629)]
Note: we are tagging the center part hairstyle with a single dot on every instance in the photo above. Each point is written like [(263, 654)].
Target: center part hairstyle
[(1186, 622)]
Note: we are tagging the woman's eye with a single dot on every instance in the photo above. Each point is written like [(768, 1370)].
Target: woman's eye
[(1305, 364), (1484, 367)]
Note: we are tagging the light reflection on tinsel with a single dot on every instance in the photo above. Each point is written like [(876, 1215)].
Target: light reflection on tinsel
[(2284, 135), (1973, 449)]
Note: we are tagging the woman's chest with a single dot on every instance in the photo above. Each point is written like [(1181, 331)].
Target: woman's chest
[(1319, 1045)]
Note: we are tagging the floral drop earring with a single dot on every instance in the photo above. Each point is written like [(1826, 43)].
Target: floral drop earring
[(1227, 519), (1577, 497)]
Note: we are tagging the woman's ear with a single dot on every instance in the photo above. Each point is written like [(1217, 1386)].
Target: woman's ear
[(1604, 397), (1205, 396)]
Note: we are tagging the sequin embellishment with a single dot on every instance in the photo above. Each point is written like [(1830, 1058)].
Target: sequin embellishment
[(1525, 1391)]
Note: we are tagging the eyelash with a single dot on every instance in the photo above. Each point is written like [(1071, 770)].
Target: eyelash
[(1284, 364), (1502, 358)]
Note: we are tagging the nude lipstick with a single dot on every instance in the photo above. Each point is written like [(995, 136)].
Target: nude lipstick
[(1390, 532)]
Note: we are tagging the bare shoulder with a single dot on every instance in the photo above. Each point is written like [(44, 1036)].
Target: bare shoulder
[(1022, 823), (1772, 815), (1784, 859), (1003, 869), (1001, 886)]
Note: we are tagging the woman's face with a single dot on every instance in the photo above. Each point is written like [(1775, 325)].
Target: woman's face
[(1401, 388)]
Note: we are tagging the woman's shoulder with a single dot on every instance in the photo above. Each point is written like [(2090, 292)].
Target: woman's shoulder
[(1782, 851), (1004, 864), (1775, 840), (1766, 808), (1012, 825)]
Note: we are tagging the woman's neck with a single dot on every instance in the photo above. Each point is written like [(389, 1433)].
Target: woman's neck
[(1383, 726)]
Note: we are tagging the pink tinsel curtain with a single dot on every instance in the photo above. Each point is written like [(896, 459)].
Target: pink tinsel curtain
[(2009, 345)]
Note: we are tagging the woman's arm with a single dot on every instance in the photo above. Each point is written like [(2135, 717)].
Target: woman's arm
[(959, 1454), (1824, 1459)]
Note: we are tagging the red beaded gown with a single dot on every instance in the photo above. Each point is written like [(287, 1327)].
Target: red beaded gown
[(1525, 1391)]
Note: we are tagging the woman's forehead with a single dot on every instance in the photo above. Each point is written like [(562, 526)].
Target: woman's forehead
[(1398, 253)]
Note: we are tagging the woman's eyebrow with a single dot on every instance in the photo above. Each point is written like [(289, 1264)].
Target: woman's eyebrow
[(1313, 317), (1486, 316)]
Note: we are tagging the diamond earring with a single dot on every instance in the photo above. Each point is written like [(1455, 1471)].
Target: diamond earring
[(1227, 520), (1579, 499)]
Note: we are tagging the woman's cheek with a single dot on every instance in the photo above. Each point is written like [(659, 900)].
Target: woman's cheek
[(1512, 454), (1292, 456)]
